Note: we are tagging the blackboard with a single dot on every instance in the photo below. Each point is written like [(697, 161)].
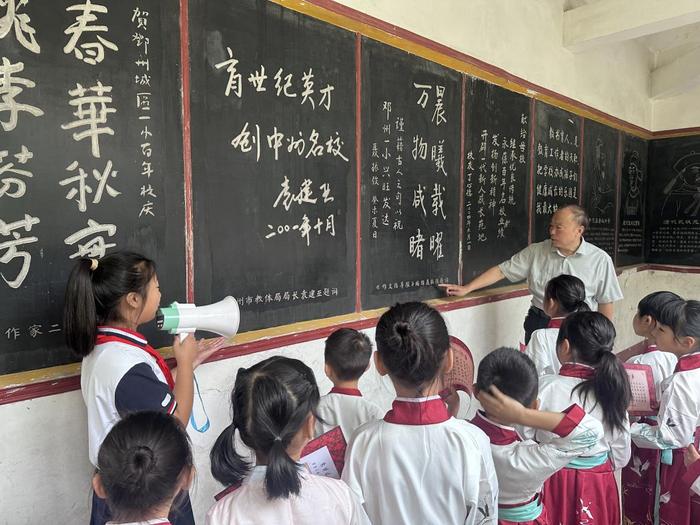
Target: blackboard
[(273, 161), (633, 184), (496, 176), (80, 175), (411, 118), (557, 158), (600, 184), (673, 203)]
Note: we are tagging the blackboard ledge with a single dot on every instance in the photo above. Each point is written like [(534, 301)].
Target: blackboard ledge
[(59, 379)]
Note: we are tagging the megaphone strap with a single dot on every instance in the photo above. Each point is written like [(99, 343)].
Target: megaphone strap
[(193, 422)]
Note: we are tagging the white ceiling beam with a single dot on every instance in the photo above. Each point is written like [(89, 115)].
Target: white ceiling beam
[(609, 21), (676, 77)]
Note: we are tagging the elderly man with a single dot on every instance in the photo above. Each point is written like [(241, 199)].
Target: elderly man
[(565, 252)]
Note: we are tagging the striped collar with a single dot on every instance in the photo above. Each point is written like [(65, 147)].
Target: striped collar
[(417, 411)]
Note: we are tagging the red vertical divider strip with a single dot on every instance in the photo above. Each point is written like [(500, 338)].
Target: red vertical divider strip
[(532, 171), (618, 183), (581, 162), (461, 180), (187, 148), (358, 167)]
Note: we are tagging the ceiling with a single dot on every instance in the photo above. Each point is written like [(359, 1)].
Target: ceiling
[(668, 30)]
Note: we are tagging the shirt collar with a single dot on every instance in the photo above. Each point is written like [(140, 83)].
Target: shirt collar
[(498, 434), (346, 391), (555, 322), (577, 370), (582, 249), (688, 362), (417, 411)]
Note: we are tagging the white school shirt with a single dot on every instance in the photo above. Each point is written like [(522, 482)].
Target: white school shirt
[(523, 465), (540, 262), (662, 365), (679, 411), (321, 500), (119, 377), (542, 348), (345, 407), (419, 465), (556, 393)]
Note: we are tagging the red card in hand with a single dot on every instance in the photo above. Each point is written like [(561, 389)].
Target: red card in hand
[(461, 377), (335, 441)]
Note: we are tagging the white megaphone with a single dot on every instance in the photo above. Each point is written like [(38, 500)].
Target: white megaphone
[(221, 318)]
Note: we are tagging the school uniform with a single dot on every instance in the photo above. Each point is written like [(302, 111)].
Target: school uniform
[(523, 465), (420, 465), (542, 348), (345, 407), (678, 426), (585, 491), (640, 478), (320, 500), (123, 374)]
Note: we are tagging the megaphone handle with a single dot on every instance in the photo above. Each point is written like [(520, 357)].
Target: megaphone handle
[(183, 335)]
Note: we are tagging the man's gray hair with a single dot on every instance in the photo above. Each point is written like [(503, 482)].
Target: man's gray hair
[(580, 215)]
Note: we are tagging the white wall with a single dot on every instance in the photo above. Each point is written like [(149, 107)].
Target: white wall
[(525, 39), (681, 111), (44, 471)]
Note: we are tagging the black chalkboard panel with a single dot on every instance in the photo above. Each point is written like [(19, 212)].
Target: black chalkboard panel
[(273, 161), (496, 176), (91, 158), (633, 183), (600, 184), (411, 117), (556, 163), (673, 204)]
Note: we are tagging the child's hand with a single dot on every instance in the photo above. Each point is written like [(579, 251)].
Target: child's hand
[(451, 399), (500, 407), (207, 347), (185, 351), (691, 455)]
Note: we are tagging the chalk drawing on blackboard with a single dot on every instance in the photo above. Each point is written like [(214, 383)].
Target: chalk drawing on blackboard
[(682, 193), (635, 176), (602, 183)]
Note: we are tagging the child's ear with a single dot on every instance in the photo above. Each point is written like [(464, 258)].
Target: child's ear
[(535, 405), (98, 487), (186, 478), (688, 343), (379, 364), (309, 427), (328, 371), (448, 361), (133, 300), (564, 352)]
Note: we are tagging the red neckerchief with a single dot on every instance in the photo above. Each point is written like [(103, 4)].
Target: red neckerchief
[(422, 411), (107, 334), (499, 435), (555, 322), (688, 362), (577, 370), (651, 348), (345, 391)]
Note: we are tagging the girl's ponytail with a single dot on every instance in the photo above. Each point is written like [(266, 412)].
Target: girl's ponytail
[(569, 292), (94, 291), (271, 402), (591, 336), (79, 312), (227, 466)]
